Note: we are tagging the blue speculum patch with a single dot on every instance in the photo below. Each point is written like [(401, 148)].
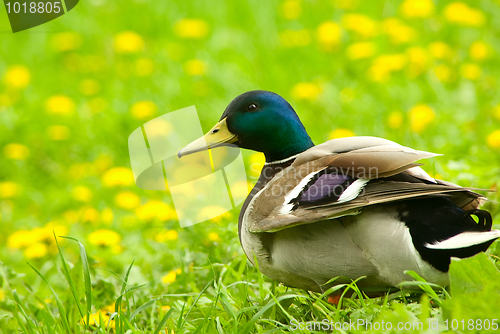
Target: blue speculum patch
[(324, 186)]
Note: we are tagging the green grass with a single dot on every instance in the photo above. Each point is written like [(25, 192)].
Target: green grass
[(53, 287)]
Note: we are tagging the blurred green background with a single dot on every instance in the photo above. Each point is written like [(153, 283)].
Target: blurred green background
[(423, 73)]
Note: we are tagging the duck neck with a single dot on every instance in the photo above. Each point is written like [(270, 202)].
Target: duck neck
[(288, 145)]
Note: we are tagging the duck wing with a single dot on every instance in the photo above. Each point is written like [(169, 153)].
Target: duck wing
[(341, 177)]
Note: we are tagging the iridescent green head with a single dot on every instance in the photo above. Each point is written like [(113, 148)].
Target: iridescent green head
[(261, 121)]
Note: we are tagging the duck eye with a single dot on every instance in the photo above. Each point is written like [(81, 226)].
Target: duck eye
[(252, 107)]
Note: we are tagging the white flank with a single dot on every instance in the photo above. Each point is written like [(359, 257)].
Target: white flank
[(353, 190), (465, 239), (287, 207)]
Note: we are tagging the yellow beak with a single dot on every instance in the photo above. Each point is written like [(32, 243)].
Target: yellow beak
[(217, 136)]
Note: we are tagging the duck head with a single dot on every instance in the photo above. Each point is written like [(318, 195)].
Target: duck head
[(257, 120)]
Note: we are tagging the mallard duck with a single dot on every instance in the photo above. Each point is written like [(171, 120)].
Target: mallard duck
[(348, 208)]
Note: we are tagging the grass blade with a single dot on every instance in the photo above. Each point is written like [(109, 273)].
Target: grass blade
[(65, 271), (259, 314), (141, 308), (425, 286), (163, 321), (194, 303), (28, 321), (86, 276), (62, 311), (118, 302)]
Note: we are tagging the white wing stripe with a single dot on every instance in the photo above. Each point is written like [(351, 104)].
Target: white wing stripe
[(287, 207), (353, 190), (464, 240)]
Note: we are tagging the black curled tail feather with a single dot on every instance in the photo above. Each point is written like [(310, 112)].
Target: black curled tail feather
[(485, 222), (433, 220)]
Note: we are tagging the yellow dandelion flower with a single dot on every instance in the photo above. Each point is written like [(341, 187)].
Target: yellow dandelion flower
[(21, 239), (395, 119), (127, 200), (257, 161), (346, 4), (128, 42), (493, 139), (36, 251), (211, 212), (58, 132), (440, 50), (89, 87), (70, 216), (169, 235), (384, 65), (420, 116), (118, 176), (360, 50), (195, 67), (462, 14), (470, 71), (340, 133), (9, 189), (329, 35), (143, 110), (16, 151), (66, 41), (54, 227), (417, 8), (214, 237), (105, 315), (17, 77), (165, 308), (82, 194), (306, 91), (170, 277), (41, 234), (479, 50), (60, 105), (2, 295), (144, 67), (161, 128), (104, 237), (102, 163), (360, 24), (89, 215), (155, 210), (418, 60), (191, 28), (291, 9), (107, 216), (443, 73), (295, 38), (241, 189), (398, 32), (496, 111)]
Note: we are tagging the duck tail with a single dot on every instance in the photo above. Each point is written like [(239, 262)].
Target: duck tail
[(440, 230), (480, 235)]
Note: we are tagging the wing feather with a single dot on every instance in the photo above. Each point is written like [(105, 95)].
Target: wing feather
[(391, 174)]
